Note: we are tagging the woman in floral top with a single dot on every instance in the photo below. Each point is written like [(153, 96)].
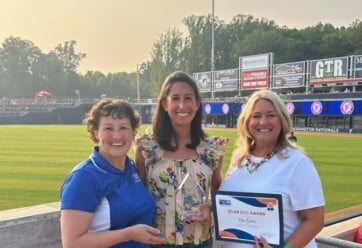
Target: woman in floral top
[(180, 164)]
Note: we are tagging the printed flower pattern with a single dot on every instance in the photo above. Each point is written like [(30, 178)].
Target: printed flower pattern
[(165, 175)]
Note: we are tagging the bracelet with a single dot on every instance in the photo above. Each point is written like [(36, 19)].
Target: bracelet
[(286, 245)]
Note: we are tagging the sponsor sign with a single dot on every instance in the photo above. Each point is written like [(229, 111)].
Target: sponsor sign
[(256, 79), (357, 66), (322, 71), (226, 80), (358, 62), (254, 71), (254, 62), (203, 81), (289, 75)]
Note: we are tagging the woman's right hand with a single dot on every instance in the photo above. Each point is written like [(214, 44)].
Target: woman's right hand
[(261, 243), (146, 234)]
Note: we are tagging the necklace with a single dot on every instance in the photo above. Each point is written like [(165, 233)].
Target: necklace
[(253, 166)]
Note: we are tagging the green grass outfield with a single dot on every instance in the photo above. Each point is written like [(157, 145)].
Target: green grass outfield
[(34, 160)]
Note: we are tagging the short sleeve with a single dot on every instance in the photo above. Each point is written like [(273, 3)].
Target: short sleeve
[(79, 192), (151, 151), (212, 149), (306, 188)]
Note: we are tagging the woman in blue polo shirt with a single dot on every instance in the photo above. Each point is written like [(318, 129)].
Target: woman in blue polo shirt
[(103, 201)]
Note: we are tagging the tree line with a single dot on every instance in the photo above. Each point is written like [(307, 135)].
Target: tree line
[(25, 69)]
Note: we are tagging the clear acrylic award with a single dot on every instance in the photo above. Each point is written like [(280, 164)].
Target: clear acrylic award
[(189, 198)]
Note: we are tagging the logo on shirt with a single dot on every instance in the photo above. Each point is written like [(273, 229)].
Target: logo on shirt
[(136, 178)]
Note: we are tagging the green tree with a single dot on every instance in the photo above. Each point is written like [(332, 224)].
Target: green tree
[(17, 60), (71, 60), (199, 42), (89, 84), (253, 36), (353, 36), (66, 53), (166, 57), (121, 85), (48, 73)]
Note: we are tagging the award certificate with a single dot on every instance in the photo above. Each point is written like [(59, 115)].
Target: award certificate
[(241, 216)]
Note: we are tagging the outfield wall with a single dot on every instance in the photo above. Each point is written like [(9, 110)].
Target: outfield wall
[(338, 115), (39, 227)]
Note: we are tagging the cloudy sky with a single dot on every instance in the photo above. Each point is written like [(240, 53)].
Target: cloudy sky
[(117, 35)]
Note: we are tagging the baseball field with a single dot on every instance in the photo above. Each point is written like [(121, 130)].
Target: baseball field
[(35, 159)]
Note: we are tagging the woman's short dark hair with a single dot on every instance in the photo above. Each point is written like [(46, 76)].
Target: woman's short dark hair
[(117, 108), (162, 128)]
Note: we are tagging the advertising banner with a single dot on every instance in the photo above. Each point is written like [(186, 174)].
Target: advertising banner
[(289, 75), (203, 80), (357, 66), (254, 71), (226, 80), (254, 62), (256, 79), (328, 71)]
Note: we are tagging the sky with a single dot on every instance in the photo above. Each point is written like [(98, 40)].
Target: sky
[(117, 35)]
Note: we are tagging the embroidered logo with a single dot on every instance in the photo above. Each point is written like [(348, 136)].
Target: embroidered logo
[(136, 178)]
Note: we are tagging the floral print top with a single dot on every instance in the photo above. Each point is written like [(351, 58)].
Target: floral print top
[(177, 185)]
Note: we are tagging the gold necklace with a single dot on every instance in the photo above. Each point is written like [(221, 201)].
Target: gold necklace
[(253, 166)]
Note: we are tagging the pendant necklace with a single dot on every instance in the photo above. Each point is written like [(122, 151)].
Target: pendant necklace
[(253, 166)]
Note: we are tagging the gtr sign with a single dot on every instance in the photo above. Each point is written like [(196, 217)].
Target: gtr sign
[(326, 70)]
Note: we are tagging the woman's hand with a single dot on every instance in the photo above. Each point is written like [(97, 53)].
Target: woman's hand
[(146, 234), (261, 243), (200, 213)]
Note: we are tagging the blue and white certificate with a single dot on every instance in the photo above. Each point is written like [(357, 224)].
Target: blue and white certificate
[(239, 217)]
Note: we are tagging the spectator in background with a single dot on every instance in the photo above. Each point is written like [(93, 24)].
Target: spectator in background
[(292, 138), (213, 121), (103, 201)]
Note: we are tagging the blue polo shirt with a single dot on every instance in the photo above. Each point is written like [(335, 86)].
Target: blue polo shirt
[(117, 197)]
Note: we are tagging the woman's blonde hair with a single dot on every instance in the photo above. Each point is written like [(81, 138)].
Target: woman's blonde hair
[(245, 140)]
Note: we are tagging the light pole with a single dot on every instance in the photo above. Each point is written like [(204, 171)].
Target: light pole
[(138, 84), (212, 52)]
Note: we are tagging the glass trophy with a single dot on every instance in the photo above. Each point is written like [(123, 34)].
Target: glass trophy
[(189, 198)]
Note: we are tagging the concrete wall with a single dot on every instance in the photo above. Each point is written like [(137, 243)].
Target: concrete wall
[(39, 227), (340, 235), (31, 227)]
